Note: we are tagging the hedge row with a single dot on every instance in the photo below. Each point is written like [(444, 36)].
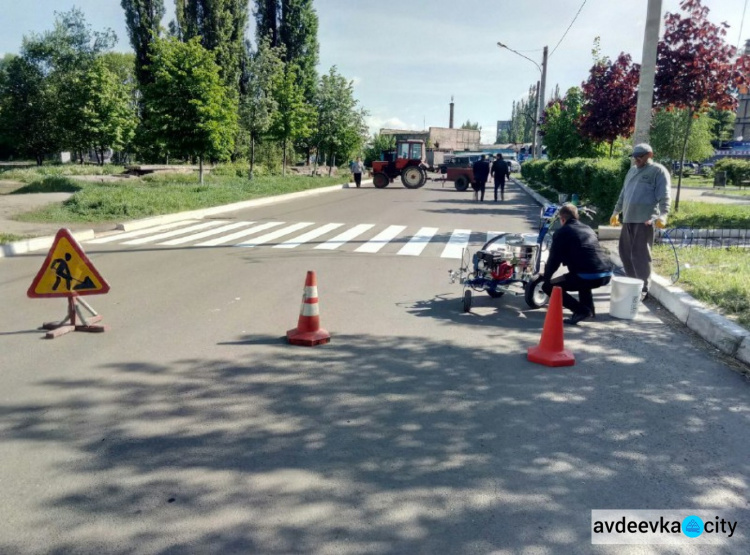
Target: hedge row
[(596, 181), (737, 170)]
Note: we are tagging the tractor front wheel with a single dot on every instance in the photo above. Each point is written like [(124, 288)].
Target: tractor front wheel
[(380, 180), (413, 177)]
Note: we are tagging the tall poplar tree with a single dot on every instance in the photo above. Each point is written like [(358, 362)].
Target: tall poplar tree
[(143, 20), (220, 24)]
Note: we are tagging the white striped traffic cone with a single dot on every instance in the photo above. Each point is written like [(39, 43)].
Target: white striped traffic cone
[(308, 331)]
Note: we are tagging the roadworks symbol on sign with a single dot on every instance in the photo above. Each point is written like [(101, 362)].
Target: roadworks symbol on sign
[(67, 271)]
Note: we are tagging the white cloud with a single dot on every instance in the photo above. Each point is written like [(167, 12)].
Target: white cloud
[(376, 123)]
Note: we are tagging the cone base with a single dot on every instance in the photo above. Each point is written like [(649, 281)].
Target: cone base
[(547, 358), (308, 338)]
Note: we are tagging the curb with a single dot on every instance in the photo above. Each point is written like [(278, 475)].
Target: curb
[(730, 338), (36, 243)]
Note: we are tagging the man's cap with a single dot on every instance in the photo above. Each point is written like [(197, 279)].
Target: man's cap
[(641, 149)]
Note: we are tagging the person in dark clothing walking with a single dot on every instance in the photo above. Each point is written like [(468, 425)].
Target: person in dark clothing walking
[(575, 245), (481, 169), (500, 170)]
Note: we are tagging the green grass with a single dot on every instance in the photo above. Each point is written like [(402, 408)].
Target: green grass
[(711, 215), (49, 184), (11, 238), (166, 194), (732, 192), (29, 175), (694, 181), (718, 277)]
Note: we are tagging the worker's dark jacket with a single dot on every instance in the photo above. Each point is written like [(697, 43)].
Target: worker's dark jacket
[(481, 170), (500, 170), (575, 245)]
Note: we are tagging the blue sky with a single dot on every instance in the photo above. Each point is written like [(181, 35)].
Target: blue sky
[(407, 59)]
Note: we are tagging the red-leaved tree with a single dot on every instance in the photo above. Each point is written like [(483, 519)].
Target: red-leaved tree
[(695, 68), (610, 98)]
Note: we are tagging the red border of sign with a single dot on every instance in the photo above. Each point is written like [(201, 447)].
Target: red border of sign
[(79, 251)]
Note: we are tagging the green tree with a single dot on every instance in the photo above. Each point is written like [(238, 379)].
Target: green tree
[(28, 106), (503, 137), (292, 24), (293, 118), (265, 68), (668, 129), (339, 124), (470, 125), (100, 111), (220, 24), (376, 146), (722, 128), (191, 112), (560, 131), (143, 20)]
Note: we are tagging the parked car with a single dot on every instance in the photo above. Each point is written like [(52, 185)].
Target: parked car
[(460, 161)]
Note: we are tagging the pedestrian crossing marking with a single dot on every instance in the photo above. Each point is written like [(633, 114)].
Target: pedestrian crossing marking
[(381, 239), (238, 235), (139, 232), (174, 233), (345, 237), (418, 242), (457, 243), (274, 234), (492, 235), (204, 234), (309, 236)]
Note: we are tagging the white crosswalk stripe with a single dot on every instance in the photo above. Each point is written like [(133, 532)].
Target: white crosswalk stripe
[(457, 243), (359, 238), (345, 237), (174, 233), (203, 234), (416, 244), (238, 235), (309, 236), (381, 239), (139, 232), (274, 234)]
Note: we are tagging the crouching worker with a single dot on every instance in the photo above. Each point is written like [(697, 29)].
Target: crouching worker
[(576, 246)]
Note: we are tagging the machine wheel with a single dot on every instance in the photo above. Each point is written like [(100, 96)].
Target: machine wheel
[(467, 300), (535, 297), (380, 180), (413, 177), (495, 294), (461, 184)]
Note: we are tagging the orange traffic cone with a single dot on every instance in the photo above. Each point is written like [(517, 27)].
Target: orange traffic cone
[(308, 331), (551, 349)]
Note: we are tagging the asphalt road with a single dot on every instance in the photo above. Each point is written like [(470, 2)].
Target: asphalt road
[(192, 427)]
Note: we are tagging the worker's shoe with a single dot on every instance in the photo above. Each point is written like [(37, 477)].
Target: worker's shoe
[(578, 317)]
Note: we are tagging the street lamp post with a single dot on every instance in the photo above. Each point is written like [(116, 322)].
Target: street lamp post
[(537, 140)]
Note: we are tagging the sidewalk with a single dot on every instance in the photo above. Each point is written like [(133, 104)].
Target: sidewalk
[(730, 338)]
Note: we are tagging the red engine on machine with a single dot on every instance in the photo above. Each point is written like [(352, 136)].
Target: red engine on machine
[(502, 271)]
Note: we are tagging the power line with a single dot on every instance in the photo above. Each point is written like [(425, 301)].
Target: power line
[(571, 24), (742, 23)]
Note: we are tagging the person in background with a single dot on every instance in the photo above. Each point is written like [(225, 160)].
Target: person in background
[(357, 168), (481, 169), (575, 245), (644, 202), (500, 170)]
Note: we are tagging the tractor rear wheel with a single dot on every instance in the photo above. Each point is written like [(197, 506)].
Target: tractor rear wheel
[(462, 183), (380, 180), (413, 177)]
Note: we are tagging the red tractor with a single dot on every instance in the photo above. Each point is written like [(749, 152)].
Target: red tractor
[(407, 161)]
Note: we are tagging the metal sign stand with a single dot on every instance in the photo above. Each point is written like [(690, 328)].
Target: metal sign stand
[(68, 324)]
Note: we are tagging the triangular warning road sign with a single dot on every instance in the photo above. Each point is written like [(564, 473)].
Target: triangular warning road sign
[(67, 271)]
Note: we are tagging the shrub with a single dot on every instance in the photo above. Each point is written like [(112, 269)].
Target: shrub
[(737, 170)]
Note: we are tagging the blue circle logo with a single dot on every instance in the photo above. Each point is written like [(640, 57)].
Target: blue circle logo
[(692, 526)]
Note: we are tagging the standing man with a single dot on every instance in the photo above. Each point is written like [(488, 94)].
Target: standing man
[(644, 203), (500, 170), (357, 168), (481, 169), (575, 245)]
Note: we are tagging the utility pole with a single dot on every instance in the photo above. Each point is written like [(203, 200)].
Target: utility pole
[(648, 70), (536, 121), (540, 107)]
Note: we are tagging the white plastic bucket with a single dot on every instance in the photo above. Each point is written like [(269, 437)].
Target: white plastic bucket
[(625, 297)]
